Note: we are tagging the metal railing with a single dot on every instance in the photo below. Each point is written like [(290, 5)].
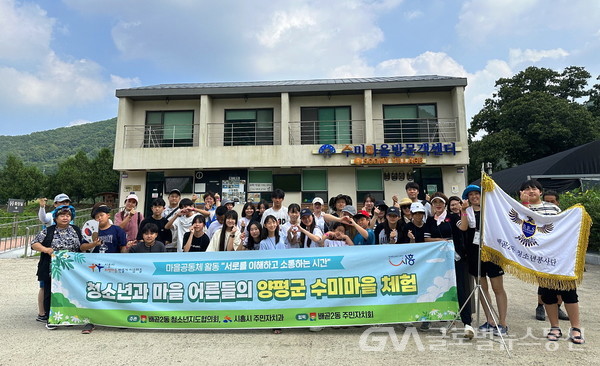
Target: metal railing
[(152, 136), (327, 132), (19, 234), (244, 133), (419, 130)]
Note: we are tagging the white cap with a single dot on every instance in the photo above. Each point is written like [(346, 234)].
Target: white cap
[(317, 200), (132, 196), (417, 207)]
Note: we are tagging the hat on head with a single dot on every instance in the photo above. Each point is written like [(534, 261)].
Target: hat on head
[(380, 203), (61, 197), (417, 207), (438, 198), (317, 200), (470, 188), (175, 190), (362, 213), (101, 208), (349, 209), (393, 211), (132, 196), (305, 212), (405, 202), (64, 208), (227, 202)]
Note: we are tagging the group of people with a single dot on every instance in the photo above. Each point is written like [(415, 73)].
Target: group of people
[(183, 225)]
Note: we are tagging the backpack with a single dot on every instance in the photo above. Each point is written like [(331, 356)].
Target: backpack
[(43, 271)]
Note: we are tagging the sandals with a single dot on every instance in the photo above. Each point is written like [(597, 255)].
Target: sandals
[(88, 328), (554, 334), (576, 339)]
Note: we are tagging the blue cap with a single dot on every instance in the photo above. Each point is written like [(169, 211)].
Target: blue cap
[(470, 188), (64, 208)]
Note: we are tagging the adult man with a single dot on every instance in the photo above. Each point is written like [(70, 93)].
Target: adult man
[(412, 191), (47, 218)]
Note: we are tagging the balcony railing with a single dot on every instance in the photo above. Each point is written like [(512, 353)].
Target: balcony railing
[(419, 130), (150, 136), (244, 133), (327, 132)]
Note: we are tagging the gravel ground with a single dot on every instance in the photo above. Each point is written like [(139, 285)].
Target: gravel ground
[(27, 342)]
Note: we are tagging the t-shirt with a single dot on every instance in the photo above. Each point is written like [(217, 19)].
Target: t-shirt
[(131, 229), (360, 240), (164, 235), (198, 244), (114, 238), (141, 247), (281, 215), (182, 225), (269, 244), (212, 229), (295, 243), (334, 243), (382, 238), (313, 244), (418, 232), (545, 208)]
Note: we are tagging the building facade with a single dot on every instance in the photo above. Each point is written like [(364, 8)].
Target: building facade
[(308, 137)]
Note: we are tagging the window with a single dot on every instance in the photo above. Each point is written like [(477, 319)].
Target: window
[(248, 127), (260, 185), (314, 184), (169, 128), (287, 182), (325, 125), (184, 184), (410, 123), (369, 181)]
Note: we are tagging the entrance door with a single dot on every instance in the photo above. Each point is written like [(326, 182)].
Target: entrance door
[(430, 180)]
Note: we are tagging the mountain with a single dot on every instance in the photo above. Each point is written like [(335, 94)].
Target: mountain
[(46, 149)]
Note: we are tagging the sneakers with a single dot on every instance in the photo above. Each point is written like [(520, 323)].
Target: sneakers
[(486, 327), (540, 312), (562, 315), (500, 330), (469, 332), (425, 326), (42, 318), (51, 326), (315, 329)]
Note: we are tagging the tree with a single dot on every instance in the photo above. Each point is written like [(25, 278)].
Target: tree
[(533, 114), (75, 177), (105, 178), (20, 181)]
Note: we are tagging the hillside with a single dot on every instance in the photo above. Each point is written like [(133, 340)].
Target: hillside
[(46, 149)]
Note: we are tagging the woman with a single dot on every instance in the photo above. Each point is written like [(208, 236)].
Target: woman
[(129, 219), (252, 241), (271, 238), (262, 206), (337, 203), (289, 230), (310, 233), (228, 237), (60, 236), (369, 204), (247, 216), (405, 210), (454, 203), (196, 240), (378, 214), (390, 231)]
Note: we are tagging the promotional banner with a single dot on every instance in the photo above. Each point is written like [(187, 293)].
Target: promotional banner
[(546, 250), (340, 286)]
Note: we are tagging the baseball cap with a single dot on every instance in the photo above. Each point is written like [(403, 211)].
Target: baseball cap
[(470, 188), (132, 196), (101, 208), (317, 200), (393, 211), (361, 213), (305, 212), (349, 209), (228, 202), (417, 207), (61, 197), (175, 190)]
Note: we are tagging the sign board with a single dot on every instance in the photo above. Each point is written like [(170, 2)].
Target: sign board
[(16, 205)]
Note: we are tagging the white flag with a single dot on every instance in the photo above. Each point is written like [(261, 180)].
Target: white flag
[(546, 250)]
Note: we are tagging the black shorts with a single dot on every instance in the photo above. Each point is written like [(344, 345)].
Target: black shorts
[(488, 269), (550, 296)]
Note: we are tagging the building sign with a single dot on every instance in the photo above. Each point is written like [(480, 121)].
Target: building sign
[(260, 187), (233, 189), (394, 150), (15, 206), (385, 161)]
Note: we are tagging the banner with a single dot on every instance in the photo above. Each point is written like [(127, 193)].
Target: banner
[(546, 250), (372, 284)]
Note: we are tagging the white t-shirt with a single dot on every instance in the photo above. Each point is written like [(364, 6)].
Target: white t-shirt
[(284, 232), (182, 225), (334, 243), (281, 215), (313, 244)]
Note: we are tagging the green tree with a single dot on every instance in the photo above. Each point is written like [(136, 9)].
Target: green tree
[(74, 177), (20, 181), (105, 178), (533, 114)]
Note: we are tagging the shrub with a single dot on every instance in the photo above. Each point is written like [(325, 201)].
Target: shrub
[(590, 199)]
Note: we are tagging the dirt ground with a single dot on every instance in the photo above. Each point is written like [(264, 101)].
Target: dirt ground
[(27, 342)]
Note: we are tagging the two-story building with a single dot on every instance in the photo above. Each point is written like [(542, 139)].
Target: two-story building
[(308, 137)]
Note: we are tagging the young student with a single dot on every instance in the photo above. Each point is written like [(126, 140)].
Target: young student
[(271, 236), (164, 235), (174, 197), (129, 219), (336, 237), (252, 240), (405, 213), (310, 232), (278, 210), (531, 192), (218, 223), (378, 214), (260, 210), (211, 202), (369, 204), (181, 221), (289, 230), (412, 191), (318, 214), (196, 240), (470, 223), (228, 237), (148, 244), (364, 234), (414, 231), (111, 238), (390, 231), (248, 212)]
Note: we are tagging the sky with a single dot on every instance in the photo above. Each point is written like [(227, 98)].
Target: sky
[(62, 60)]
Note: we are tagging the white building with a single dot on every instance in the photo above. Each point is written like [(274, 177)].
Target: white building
[(307, 137)]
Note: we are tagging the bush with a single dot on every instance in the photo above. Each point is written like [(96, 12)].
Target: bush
[(590, 199)]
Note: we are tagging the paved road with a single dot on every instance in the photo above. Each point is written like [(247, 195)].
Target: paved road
[(27, 342)]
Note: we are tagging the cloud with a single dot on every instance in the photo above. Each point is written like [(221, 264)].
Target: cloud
[(441, 284), (528, 56), (413, 14), (58, 287), (78, 122)]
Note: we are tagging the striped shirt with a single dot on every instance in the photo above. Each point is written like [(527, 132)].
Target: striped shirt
[(545, 208)]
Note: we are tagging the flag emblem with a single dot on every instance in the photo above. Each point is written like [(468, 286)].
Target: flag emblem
[(528, 229)]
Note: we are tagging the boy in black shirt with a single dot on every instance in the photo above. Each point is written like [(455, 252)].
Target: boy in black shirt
[(164, 235)]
